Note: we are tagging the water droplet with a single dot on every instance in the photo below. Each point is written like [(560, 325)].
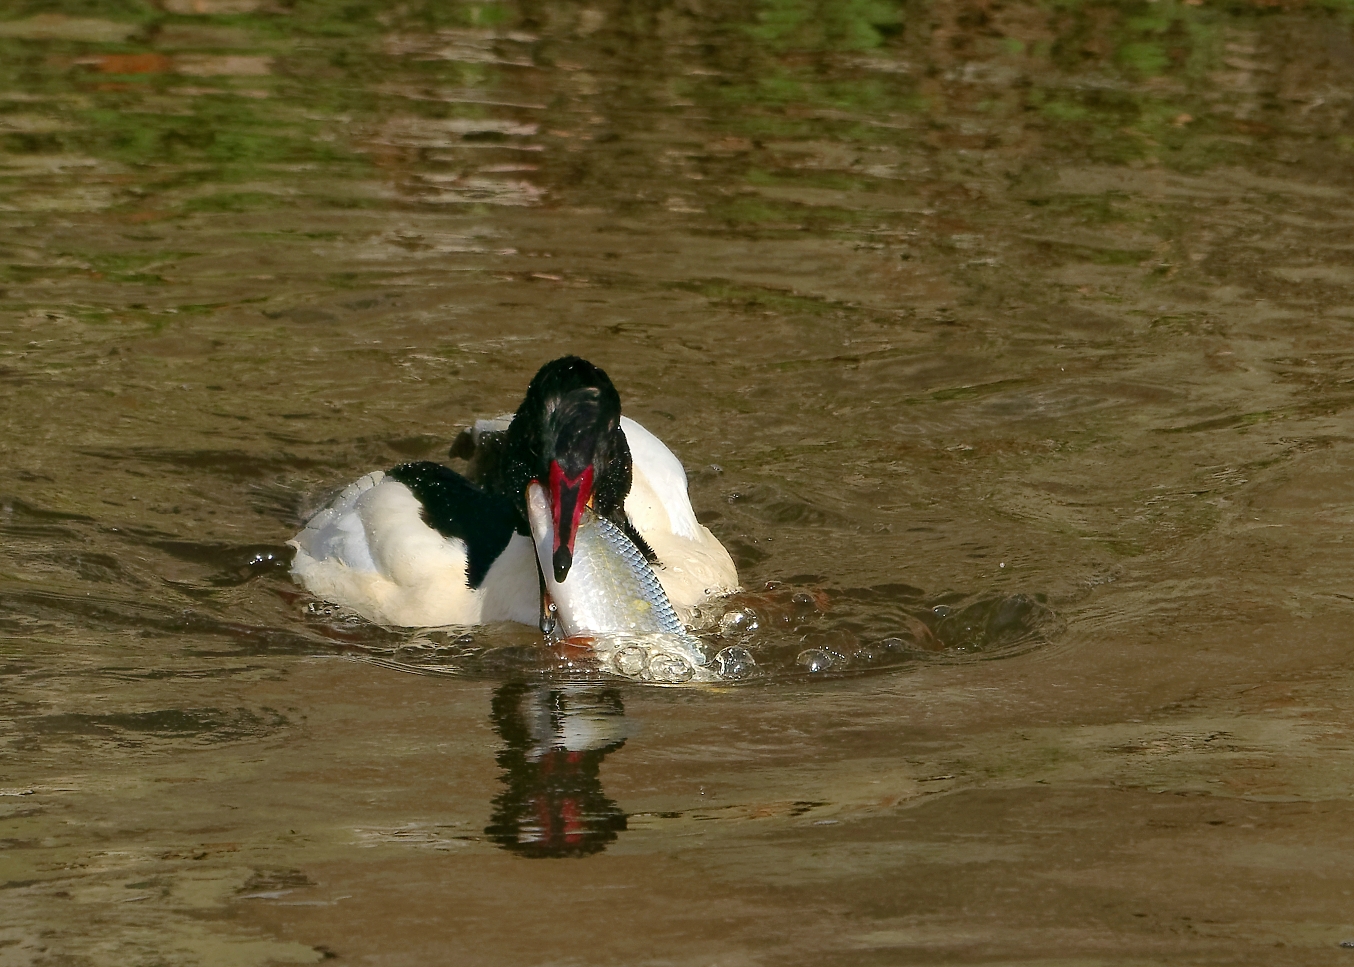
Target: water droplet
[(734, 662), (814, 660)]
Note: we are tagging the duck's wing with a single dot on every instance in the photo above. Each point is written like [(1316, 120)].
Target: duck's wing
[(658, 499), (454, 507), (336, 533), (694, 565)]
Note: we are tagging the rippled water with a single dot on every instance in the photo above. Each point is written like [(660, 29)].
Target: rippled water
[(1007, 347)]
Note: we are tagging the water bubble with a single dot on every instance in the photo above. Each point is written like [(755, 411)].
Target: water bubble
[(814, 660), (893, 644), (735, 623), (669, 669), (734, 662), (630, 661)]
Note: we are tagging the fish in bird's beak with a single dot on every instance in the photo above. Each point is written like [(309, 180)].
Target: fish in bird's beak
[(568, 496)]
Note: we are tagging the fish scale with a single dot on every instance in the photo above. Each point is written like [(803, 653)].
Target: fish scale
[(651, 591)]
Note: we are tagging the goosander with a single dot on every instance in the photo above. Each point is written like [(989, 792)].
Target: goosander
[(421, 545)]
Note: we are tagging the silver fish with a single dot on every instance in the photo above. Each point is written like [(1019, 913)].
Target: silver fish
[(613, 596)]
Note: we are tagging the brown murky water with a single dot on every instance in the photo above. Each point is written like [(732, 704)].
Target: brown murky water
[(1014, 339)]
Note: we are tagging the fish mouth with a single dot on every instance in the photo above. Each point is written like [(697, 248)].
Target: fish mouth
[(569, 495)]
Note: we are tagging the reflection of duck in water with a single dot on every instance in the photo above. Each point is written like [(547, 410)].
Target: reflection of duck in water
[(556, 738), (421, 545)]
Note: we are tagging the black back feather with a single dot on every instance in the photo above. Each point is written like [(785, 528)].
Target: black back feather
[(454, 507)]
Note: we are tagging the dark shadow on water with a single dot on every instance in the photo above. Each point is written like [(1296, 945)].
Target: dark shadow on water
[(555, 738)]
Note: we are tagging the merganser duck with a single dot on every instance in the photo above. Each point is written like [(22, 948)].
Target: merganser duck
[(420, 545)]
